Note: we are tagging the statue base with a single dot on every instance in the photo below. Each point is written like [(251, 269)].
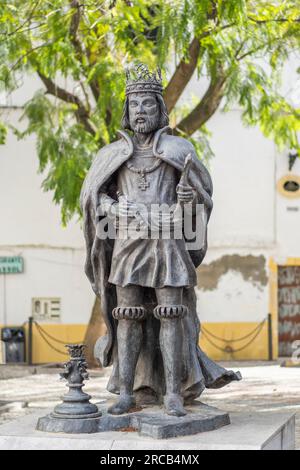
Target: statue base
[(150, 421), (155, 423)]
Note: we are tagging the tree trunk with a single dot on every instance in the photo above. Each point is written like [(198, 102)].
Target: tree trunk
[(182, 75), (96, 328)]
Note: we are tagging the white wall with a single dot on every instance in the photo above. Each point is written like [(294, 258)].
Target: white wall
[(243, 177), (31, 227), (288, 213), (48, 273), (242, 221), (28, 214), (235, 299), (249, 219)]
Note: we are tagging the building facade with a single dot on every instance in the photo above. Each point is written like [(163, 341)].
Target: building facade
[(250, 274)]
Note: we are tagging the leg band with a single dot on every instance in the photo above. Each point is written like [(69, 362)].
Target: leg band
[(170, 311), (129, 313)]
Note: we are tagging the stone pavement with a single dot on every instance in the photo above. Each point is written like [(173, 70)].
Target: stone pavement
[(265, 388)]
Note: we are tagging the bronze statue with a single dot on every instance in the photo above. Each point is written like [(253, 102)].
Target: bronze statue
[(147, 283)]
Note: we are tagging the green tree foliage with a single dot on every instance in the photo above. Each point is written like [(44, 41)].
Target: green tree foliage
[(79, 48)]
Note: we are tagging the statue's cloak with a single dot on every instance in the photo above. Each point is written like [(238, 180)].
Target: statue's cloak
[(198, 370)]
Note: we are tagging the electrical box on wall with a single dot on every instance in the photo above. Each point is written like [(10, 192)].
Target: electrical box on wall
[(46, 309)]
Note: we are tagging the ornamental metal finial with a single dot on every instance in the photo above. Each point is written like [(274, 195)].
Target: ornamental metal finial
[(75, 414)]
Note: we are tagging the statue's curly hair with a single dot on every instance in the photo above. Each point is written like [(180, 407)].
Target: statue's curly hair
[(164, 116)]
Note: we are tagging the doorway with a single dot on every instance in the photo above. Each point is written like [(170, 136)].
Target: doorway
[(288, 308)]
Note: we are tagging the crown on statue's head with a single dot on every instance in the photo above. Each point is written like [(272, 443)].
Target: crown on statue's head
[(139, 79)]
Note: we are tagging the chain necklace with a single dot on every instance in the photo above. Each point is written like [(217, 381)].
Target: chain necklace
[(143, 184)]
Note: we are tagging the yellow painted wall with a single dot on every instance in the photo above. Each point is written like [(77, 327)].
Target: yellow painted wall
[(74, 333), (67, 333), (256, 350)]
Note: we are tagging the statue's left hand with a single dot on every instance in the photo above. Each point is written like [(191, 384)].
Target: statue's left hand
[(185, 193)]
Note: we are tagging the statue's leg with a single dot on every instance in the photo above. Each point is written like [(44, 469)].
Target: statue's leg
[(170, 311), (129, 314)]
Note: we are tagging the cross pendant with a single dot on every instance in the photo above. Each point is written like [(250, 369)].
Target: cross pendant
[(143, 184)]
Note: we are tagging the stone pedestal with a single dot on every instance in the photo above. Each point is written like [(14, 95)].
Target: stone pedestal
[(255, 431)]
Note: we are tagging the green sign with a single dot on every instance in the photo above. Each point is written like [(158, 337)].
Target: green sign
[(11, 265)]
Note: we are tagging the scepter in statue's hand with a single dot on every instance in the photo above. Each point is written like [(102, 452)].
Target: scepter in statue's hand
[(185, 192)]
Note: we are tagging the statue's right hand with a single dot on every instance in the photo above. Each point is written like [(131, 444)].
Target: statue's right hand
[(123, 208), (126, 208), (122, 211), (114, 210)]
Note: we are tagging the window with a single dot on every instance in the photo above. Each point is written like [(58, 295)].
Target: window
[(289, 186)]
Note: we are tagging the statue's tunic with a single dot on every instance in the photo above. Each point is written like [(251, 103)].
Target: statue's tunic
[(149, 262)]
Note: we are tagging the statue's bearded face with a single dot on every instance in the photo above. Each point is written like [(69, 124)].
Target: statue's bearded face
[(143, 112)]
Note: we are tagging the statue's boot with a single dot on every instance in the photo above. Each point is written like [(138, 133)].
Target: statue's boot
[(174, 404), (123, 405), (129, 335), (170, 338)]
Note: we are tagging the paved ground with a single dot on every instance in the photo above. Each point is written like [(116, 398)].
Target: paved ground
[(265, 388)]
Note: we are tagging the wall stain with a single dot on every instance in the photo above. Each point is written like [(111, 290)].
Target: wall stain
[(252, 268)]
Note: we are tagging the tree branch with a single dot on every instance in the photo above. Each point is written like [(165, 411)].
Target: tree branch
[(211, 99), (185, 70), (182, 76), (75, 20), (205, 109), (27, 53), (81, 113), (28, 20), (274, 20), (258, 48), (74, 25)]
